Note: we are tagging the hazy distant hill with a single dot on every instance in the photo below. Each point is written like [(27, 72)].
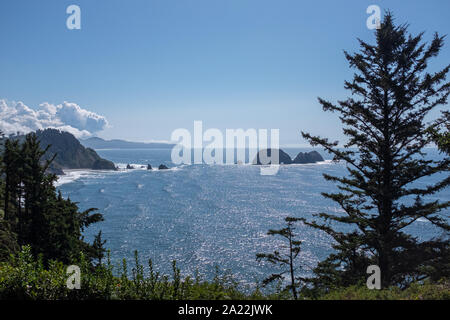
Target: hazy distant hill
[(99, 143), (70, 154)]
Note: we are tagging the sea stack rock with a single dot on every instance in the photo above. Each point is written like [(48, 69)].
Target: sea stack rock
[(103, 164), (162, 167), (283, 157), (149, 167), (129, 166), (308, 157)]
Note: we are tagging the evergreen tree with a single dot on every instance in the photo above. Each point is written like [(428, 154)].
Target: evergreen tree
[(51, 225), (442, 138), (10, 173), (384, 119), (286, 258), (98, 248), (8, 239)]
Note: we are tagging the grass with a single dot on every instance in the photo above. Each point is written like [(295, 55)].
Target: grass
[(26, 278)]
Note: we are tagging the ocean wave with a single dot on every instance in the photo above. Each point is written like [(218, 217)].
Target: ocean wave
[(312, 164), (71, 175), (139, 166), (136, 166)]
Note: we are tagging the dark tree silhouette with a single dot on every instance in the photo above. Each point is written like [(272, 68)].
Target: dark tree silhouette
[(384, 120), (34, 213), (286, 259)]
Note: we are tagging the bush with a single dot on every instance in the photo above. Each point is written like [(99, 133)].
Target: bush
[(26, 278), (417, 291)]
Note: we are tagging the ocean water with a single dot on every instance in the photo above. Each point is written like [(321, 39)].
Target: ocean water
[(205, 216)]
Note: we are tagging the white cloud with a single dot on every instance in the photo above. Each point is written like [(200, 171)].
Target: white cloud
[(70, 117)]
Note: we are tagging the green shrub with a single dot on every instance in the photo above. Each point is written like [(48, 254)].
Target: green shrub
[(24, 278), (417, 291)]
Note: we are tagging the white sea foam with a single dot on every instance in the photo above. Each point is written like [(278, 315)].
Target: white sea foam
[(136, 166), (70, 176), (139, 166), (312, 164)]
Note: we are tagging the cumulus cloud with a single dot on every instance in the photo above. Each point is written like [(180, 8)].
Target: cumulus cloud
[(70, 117)]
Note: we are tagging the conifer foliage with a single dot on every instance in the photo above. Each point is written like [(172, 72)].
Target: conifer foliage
[(285, 257), (33, 213), (385, 122)]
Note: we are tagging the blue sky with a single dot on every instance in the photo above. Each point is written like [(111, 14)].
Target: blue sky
[(151, 66)]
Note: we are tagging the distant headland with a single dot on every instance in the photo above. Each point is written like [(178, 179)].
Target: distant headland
[(99, 143)]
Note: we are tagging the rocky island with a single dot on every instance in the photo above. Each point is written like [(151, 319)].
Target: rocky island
[(284, 158), (308, 157)]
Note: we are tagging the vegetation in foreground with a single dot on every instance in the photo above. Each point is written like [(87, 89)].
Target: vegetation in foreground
[(26, 278), (41, 233)]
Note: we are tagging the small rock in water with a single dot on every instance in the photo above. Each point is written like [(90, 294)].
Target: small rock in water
[(162, 167), (149, 167), (129, 166)]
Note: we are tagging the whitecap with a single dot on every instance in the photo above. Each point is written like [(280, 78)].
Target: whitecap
[(69, 176), (136, 166)]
